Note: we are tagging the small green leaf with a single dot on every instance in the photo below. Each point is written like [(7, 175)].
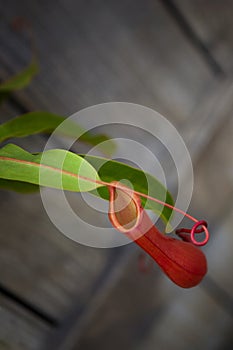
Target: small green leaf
[(38, 122), (53, 168), (30, 124), (20, 80)]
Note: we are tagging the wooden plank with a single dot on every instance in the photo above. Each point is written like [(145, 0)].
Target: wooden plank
[(106, 52), (138, 300), (18, 329), (219, 254), (193, 320), (212, 21), (38, 262), (74, 325), (213, 171), (117, 54)]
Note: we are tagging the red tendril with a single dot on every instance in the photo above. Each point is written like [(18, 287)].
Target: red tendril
[(194, 230)]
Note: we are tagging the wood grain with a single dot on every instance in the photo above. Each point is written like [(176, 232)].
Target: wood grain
[(106, 51), (115, 51), (18, 329), (212, 21)]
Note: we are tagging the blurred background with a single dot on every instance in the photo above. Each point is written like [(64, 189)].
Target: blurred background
[(174, 56)]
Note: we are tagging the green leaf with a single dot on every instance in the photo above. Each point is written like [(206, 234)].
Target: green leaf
[(110, 170), (38, 122), (53, 168), (62, 169), (32, 123), (20, 80)]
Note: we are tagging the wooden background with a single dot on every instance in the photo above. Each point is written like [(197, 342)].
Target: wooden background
[(177, 58)]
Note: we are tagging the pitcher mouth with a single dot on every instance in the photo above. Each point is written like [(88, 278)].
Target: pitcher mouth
[(124, 208)]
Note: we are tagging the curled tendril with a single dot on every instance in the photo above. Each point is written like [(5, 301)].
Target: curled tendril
[(193, 231)]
